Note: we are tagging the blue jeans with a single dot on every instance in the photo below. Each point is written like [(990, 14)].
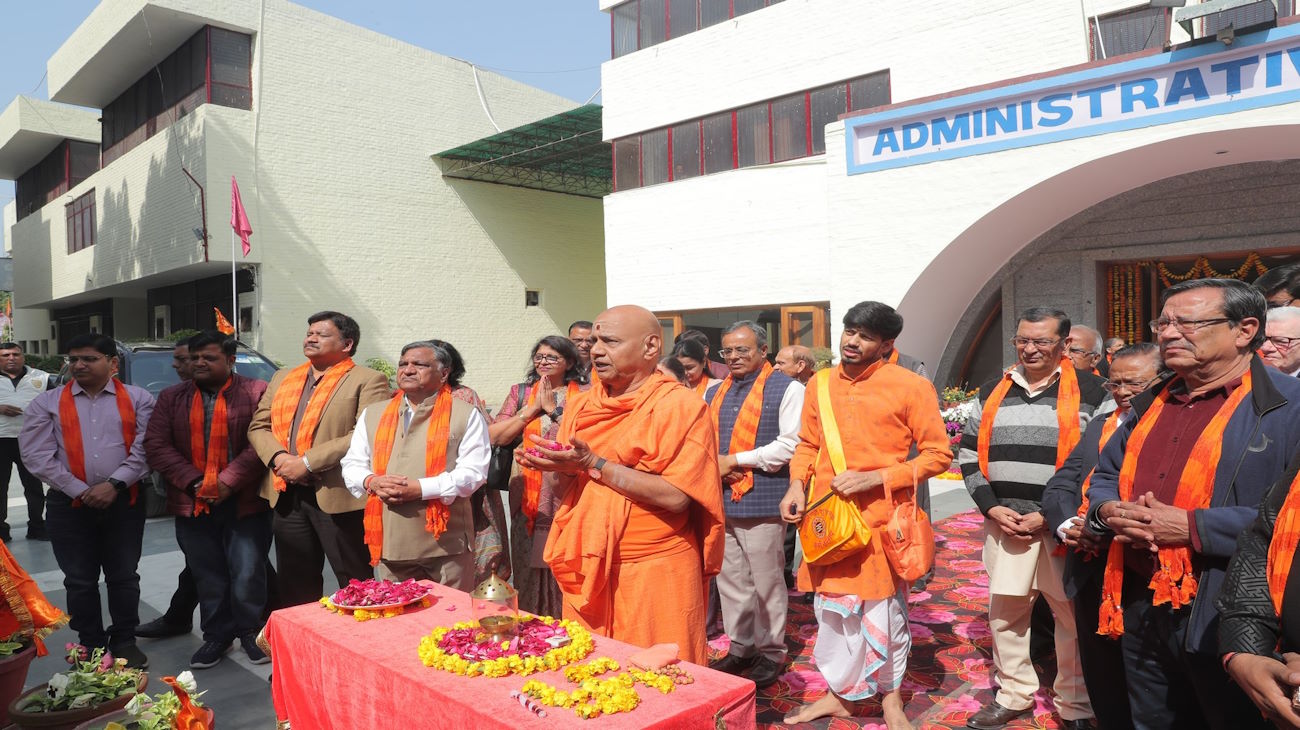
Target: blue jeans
[(86, 541), (227, 555)]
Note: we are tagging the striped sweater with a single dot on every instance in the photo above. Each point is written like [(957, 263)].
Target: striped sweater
[(1022, 453)]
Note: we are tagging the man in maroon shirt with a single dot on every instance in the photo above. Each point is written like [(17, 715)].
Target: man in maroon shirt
[(1208, 331)]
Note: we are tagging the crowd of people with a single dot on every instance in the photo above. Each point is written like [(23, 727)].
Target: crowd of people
[(1142, 493)]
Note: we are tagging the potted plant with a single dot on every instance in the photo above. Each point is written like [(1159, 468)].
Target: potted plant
[(16, 655), (96, 685), (177, 709), (26, 618)]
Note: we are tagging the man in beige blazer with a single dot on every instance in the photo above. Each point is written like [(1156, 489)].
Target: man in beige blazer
[(301, 430)]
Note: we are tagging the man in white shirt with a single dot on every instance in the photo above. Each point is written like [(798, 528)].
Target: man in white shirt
[(1281, 348), (19, 386), (418, 458), (757, 412)]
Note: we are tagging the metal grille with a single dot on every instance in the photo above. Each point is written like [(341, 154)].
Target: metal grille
[(1250, 15), (1128, 32)]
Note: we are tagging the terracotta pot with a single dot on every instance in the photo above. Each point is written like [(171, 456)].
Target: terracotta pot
[(123, 717), (66, 719), (13, 674)]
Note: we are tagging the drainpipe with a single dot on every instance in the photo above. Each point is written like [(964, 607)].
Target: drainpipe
[(203, 211)]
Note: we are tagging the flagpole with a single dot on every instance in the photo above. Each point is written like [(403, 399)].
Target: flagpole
[(234, 285)]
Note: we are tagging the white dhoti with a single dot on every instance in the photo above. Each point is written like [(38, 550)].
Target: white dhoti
[(862, 646)]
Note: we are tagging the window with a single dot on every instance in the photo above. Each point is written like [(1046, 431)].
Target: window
[(1129, 31), (81, 222), (231, 68), (787, 128), (1247, 16), (638, 24), (62, 169)]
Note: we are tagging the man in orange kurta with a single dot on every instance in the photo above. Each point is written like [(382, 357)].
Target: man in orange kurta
[(639, 531), (882, 411)]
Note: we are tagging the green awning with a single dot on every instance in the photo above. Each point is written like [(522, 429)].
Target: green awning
[(562, 154)]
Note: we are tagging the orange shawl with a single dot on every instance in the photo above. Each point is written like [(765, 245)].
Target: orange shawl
[(745, 431), (532, 477), (1174, 581), (284, 406), (209, 460), (26, 611), (1107, 430), (1281, 549), (70, 424), (659, 429), (436, 514), (893, 357), (1067, 415), (702, 387)]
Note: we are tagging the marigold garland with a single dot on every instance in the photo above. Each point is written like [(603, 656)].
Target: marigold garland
[(367, 614), (580, 645), (596, 697)]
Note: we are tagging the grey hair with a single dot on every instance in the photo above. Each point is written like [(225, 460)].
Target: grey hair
[(1240, 301), (1277, 314), (439, 352), (760, 334), (1097, 348)]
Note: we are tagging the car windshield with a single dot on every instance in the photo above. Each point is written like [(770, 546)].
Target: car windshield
[(153, 371)]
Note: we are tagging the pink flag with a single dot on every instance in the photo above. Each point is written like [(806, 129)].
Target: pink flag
[(238, 217)]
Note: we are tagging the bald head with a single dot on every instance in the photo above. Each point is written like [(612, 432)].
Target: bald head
[(629, 342), (796, 361)]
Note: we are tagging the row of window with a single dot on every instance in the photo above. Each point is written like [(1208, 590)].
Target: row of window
[(81, 222), (772, 131), (640, 24), (60, 171), (1142, 28)]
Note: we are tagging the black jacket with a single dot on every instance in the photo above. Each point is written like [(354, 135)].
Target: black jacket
[(1061, 500)]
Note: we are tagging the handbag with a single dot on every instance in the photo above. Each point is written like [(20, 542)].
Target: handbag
[(908, 538), (833, 527), (502, 462)]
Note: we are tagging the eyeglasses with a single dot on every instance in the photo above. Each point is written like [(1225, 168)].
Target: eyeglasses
[(1114, 385), (1184, 326), (737, 351), (546, 359), (1023, 342), (84, 358), (1079, 351), (1283, 343)]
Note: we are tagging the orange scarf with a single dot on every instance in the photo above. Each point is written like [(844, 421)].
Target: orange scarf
[(893, 357), (745, 431), (702, 387), (1107, 430), (533, 477), (284, 406), (436, 514), (70, 424), (1174, 581), (25, 609), (209, 460), (1281, 550), (1067, 415)]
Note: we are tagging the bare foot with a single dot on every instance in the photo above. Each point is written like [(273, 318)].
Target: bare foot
[(895, 718), (828, 706)]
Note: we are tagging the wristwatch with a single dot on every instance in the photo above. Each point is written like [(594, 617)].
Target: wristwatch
[(595, 471), (118, 484), (306, 464)]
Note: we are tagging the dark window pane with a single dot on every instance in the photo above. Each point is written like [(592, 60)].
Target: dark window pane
[(752, 136), (717, 143), (827, 106), (627, 163), (199, 58), (789, 128), (625, 28), (654, 157), (232, 96), (83, 161), (713, 12), (682, 17), (1129, 32), (184, 82), (869, 91), (654, 26), (1243, 17), (746, 6), (231, 57), (686, 150)]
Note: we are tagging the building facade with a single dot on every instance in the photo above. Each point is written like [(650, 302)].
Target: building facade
[(330, 130), (1094, 209)]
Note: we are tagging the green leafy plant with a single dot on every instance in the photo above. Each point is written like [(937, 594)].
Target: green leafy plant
[(95, 678), (387, 368), (159, 712), (9, 647), (179, 335), (823, 356)]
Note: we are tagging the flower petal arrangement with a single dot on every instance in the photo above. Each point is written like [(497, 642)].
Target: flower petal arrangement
[(371, 599), (95, 678), (456, 649)]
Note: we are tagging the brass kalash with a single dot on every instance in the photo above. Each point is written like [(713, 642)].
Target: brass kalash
[(496, 609)]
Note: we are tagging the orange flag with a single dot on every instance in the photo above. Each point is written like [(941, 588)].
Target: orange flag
[(223, 324)]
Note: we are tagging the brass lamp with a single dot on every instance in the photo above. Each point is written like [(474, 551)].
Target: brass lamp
[(496, 609)]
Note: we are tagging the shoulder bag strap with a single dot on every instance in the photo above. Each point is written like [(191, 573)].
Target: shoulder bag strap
[(830, 433)]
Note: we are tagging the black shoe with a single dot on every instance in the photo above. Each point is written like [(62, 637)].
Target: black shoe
[(732, 664), (135, 658), (1084, 724), (37, 532), (994, 716), (766, 672), (210, 654), (160, 628), (254, 652)]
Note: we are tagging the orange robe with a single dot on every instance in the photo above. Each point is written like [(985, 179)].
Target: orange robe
[(628, 571), (880, 414)]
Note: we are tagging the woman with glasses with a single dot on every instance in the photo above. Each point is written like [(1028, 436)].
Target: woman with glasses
[(536, 407), (695, 361)]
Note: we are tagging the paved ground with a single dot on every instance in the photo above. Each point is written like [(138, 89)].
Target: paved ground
[(236, 689)]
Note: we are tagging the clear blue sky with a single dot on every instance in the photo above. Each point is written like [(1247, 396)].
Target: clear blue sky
[(557, 45)]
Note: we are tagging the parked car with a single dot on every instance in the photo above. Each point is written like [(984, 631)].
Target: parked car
[(149, 365)]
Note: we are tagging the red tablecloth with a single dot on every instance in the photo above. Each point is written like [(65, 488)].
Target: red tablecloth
[(332, 671)]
